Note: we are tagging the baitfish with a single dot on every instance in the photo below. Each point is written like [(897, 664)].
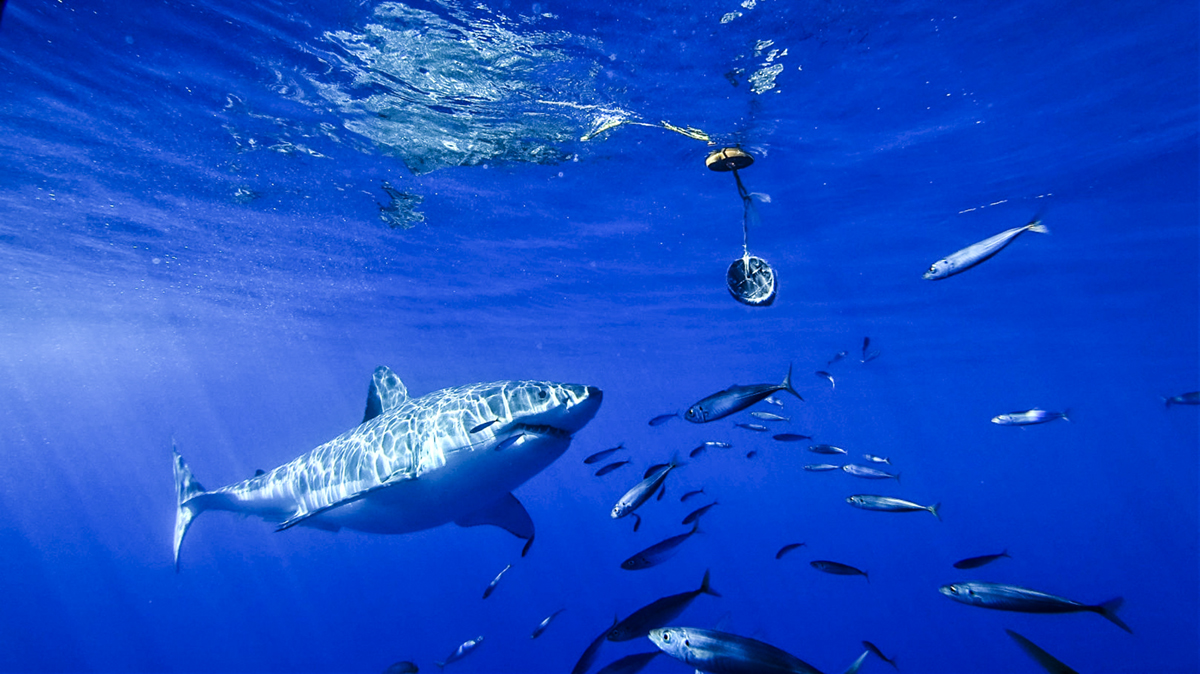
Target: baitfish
[(461, 652), (791, 437), (492, 585), (826, 449), (1048, 662), (608, 468), (630, 664), (658, 613), (735, 399), (642, 491), (1029, 417), (825, 375), (1190, 398), (663, 418), (821, 467), (875, 650), (603, 454), (659, 552), (697, 513), (889, 504), (412, 464), (1014, 598), (869, 473), (537, 631), (838, 569), (724, 653), (972, 255), (976, 562), (786, 549)]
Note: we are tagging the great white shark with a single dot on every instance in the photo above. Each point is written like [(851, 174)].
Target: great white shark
[(454, 455)]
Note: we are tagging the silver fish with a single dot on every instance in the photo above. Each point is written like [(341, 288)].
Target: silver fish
[(868, 356), (875, 650), (1029, 417), (663, 418), (838, 569), (537, 631), (889, 504), (658, 613), (461, 652), (691, 494), (791, 437), (821, 467), (482, 426), (825, 375), (604, 454), (1190, 398), (1048, 662), (735, 399), (724, 653), (697, 513), (836, 357), (773, 401), (826, 449), (972, 255), (492, 585), (608, 468), (1014, 598), (769, 416), (630, 664), (869, 473), (976, 562), (589, 654), (509, 442), (877, 459), (758, 428), (642, 491), (786, 549), (659, 552)]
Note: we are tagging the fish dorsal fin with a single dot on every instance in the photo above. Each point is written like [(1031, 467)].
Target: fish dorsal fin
[(386, 393), (506, 513)]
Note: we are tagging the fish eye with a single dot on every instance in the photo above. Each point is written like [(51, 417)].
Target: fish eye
[(666, 637), (687, 643)]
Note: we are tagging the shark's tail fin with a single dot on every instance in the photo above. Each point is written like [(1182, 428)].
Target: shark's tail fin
[(186, 489)]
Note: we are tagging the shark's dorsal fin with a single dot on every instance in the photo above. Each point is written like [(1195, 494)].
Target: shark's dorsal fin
[(387, 393), (506, 513)]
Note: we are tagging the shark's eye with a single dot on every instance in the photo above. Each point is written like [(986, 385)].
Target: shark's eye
[(542, 395)]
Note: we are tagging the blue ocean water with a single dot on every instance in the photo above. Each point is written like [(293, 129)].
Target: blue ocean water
[(216, 219)]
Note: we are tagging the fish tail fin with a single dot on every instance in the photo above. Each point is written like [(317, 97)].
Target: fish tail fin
[(897, 478), (705, 588), (1166, 400), (866, 576), (1005, 553), (1066, 414), (441, 666), (934, 509), (186, 490), (1109, 610), (857, 664), (1037, 226), (787, 384)]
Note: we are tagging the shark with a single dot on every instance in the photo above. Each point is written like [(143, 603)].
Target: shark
[(414, 463)]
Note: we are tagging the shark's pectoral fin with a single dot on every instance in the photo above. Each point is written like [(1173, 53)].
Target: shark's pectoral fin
[(386, 393), (506, 513)]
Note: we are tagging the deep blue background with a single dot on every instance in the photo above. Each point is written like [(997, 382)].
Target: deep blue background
[(142, 300)]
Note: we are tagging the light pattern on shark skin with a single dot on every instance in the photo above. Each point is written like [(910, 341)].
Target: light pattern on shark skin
[(422, 442)]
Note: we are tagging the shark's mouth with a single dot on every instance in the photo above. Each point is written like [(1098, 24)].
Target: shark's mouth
[(535, 429)]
